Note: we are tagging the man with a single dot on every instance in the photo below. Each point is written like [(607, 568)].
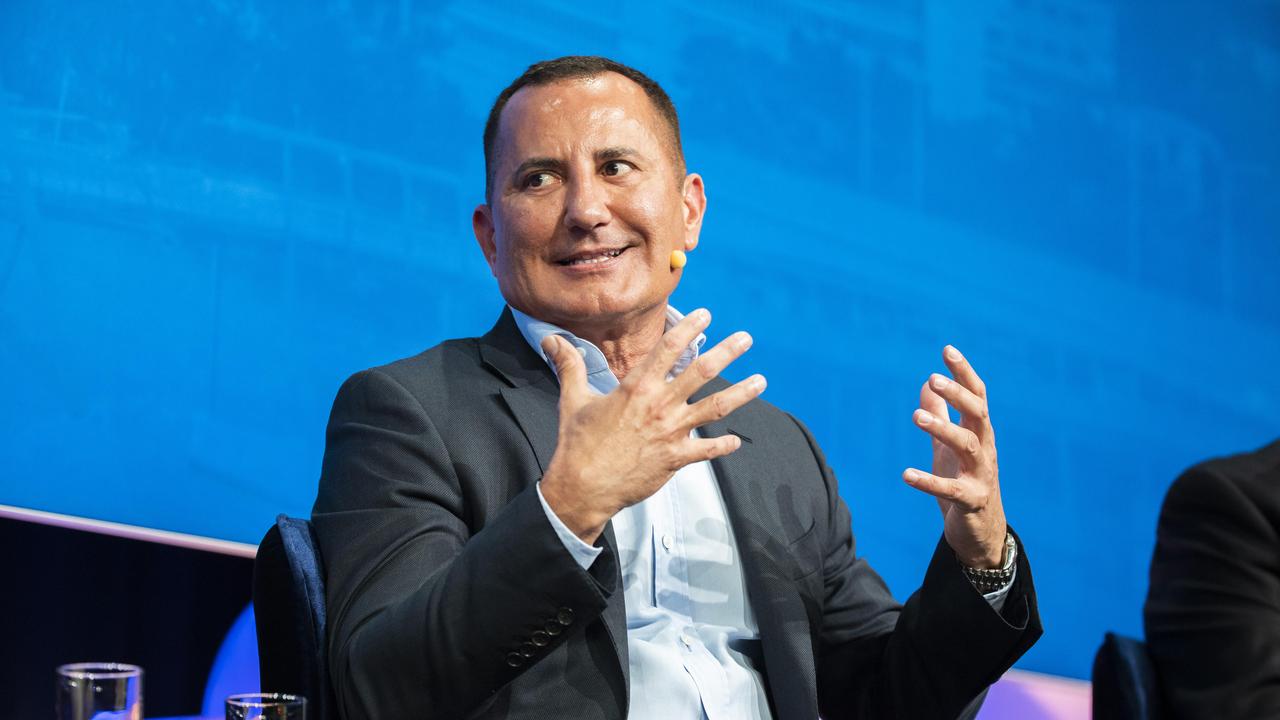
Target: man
[(574, 516), (1213, 607)]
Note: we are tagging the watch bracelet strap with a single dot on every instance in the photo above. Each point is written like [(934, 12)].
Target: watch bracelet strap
[(989, 580)]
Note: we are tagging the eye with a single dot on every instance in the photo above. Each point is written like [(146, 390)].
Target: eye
[(616, 168), (536, 180)]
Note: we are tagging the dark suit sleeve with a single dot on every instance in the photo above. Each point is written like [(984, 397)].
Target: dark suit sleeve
[(427, 619), (929, 659), (1213, 607)]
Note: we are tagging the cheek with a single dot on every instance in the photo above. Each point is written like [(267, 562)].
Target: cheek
[(662, 213), (522, 234)]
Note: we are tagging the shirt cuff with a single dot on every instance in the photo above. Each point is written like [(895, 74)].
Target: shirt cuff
[(583, 553), (995, 599)]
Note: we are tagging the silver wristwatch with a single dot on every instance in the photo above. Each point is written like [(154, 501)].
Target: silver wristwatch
[(988, 581)]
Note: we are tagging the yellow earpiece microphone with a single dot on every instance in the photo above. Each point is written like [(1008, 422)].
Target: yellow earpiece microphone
[(678, 259)]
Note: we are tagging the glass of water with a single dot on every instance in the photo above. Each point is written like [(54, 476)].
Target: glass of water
[(99, 691), (266, 706)]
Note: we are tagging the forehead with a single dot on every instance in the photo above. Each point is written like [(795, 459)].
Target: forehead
[(582, 113)]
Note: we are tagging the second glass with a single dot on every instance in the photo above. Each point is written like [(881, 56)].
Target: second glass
[(266, 706)]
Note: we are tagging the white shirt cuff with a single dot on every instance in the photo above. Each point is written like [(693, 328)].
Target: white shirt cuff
[(583, 553)]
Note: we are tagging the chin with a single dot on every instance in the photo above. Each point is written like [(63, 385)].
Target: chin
[(596, 307)]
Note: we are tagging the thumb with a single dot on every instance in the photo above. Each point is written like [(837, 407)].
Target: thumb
[(569, 366)]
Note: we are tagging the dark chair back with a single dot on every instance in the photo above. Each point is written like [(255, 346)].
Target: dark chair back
[(1124, 681), (288, 598)]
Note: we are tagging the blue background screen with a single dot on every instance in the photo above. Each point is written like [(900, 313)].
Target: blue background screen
[(212, 212)]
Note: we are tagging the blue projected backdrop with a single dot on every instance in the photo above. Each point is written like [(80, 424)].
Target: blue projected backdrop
[(211, 213)]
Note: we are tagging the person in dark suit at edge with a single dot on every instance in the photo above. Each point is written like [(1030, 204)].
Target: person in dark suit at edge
[(1213, 604), (573, 516)]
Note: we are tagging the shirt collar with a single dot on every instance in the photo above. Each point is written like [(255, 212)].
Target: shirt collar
[(598, 372)]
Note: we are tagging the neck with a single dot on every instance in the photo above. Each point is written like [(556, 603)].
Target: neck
[(625, 344)]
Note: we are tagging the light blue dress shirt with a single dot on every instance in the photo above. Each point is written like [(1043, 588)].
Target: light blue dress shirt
[(692, 638)]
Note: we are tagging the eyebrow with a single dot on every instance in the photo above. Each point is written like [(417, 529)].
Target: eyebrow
[(616, 152)]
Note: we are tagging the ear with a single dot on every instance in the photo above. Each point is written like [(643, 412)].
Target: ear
[(695, 206), (482, 226)]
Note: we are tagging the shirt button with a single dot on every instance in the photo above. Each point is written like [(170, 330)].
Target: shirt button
[(514, 660), (564, 616), (687, 639), (541, 638), (668, 541)]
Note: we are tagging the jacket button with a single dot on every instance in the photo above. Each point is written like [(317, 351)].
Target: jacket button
[(515, 660), (527, 650), (564, 616), (540, 638), (553, 628)]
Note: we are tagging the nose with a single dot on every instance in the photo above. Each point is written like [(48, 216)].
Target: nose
[(586, 205)]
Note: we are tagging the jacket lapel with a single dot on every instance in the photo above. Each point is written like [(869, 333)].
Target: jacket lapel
[(744, 480), (531, 391), (532, 394)]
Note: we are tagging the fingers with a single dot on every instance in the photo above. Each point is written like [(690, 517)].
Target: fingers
[(957, 396), (954, 490), (962, 441), (570, 368), (973, 409), (932, 402), (717, 406), (699, 449), (963, 372), (710, 364), (967, 393), (673, 343)]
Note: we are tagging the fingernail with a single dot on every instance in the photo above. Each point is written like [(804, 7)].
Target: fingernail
[(938, 382), (742, 340), (952, 353), (923, 417), (910, 476), (758, 383), (702, 315)]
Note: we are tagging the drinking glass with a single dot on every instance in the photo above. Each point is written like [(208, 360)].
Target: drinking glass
[(99, 691), (266, 706)]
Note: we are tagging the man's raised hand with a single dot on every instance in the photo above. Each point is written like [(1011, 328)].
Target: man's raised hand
[(616, 450), (965, 477)]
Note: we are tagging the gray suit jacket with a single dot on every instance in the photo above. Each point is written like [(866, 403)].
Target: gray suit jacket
[(450, 595)]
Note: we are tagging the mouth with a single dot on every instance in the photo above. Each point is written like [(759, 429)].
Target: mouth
[(590, 257)]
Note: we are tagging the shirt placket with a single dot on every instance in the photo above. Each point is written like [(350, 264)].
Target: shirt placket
[(671, 593)]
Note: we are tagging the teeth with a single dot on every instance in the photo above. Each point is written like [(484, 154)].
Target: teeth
[(595, 258)]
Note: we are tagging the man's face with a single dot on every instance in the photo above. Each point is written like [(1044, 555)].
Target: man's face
[(587, 205)]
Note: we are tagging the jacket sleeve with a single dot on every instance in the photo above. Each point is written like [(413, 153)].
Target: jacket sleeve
[(427, 618), (928, 659), (1213, 606)]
